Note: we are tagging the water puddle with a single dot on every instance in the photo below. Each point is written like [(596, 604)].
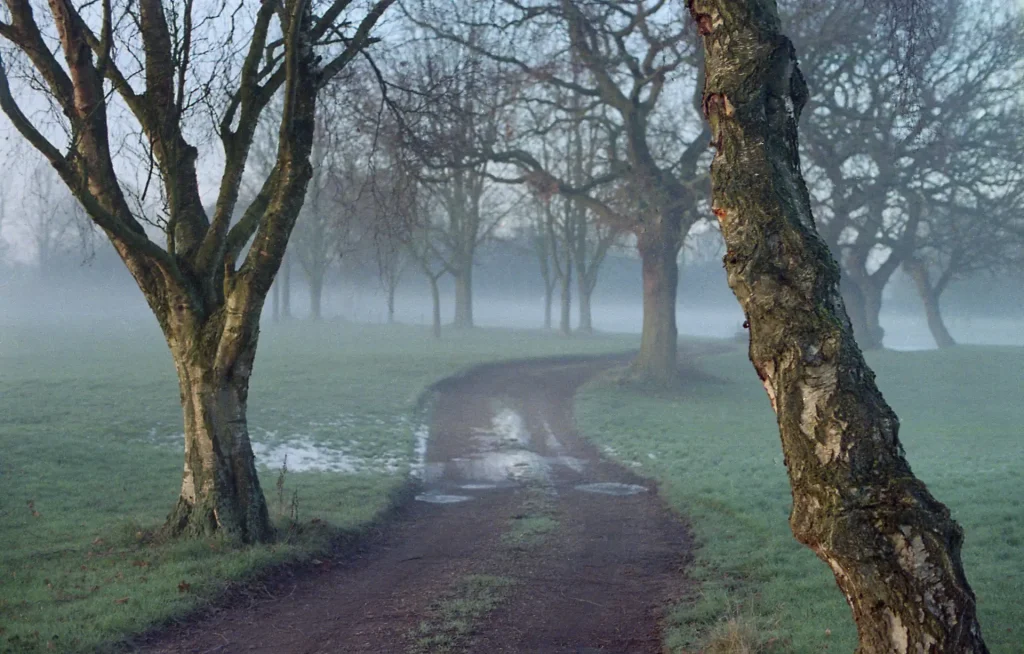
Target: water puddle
[(432, 497), (612, 488), (304, 455)]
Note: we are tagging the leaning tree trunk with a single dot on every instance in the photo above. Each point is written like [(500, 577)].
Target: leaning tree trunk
[(894, 549), (220, 490), (930, 299), (464, 297), (659, 249)]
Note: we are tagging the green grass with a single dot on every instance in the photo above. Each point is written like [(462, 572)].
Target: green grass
[(453, 618), (715, 450), (90, 461), (530, 528)]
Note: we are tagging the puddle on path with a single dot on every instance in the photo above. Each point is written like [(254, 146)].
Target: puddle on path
[(612, 488), (434, 497)]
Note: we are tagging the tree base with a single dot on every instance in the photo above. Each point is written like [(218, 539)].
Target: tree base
[(200, 520)]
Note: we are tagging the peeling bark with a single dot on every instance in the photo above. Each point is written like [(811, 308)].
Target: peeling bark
[(893, 548), (220, 491)]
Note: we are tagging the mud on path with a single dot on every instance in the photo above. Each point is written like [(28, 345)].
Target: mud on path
[(502, 442)]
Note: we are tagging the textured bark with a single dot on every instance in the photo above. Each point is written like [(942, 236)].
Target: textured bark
[(657, 360), (930, 299), (220, 491), (894, 549), (464, 297)]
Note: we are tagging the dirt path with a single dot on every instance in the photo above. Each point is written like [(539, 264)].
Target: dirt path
[(502, 452)]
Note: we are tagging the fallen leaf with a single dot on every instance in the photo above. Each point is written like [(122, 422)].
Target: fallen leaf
[(140, 564), (123, 600), (184, 587), (98, 541)]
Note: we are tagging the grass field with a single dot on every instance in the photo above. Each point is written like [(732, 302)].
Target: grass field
[(714, 448), (90, 461)]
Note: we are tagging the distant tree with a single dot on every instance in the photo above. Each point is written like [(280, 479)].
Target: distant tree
[(875, 147), (155, 69), (630, 64), (541, 235), (52, 220), (893, 548), (448, 110), (971, 236)]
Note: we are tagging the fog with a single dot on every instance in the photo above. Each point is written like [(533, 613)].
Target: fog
[(984, 310)]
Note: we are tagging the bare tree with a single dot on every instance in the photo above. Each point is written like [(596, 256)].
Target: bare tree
[(161, 63), (52, 220), (894, 549), (447, 110), (619, 58), (879, 153)]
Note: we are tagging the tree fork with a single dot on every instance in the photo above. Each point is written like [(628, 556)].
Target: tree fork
[(894, 549)]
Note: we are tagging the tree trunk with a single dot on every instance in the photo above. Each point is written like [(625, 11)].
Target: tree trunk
[(565, 317), (391, 304), (316, 294), (549, 293), (286, 288), (874, 335), (930, 298), (220, 490), (586, 318), (894, 549), (464, 298), (435, 294), (864, 305), (657, 361)]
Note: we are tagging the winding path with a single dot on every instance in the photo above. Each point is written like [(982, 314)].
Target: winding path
[(502, 435)]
